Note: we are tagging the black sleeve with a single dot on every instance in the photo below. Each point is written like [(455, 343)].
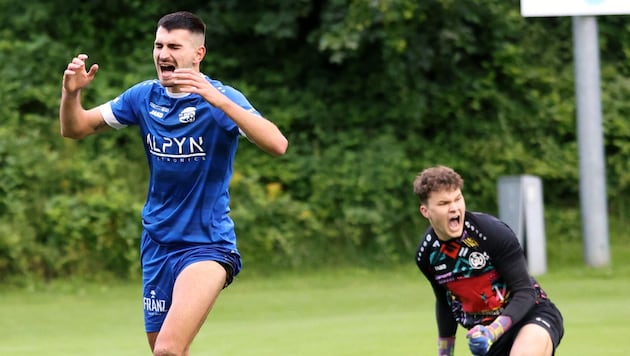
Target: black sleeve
[(447, 326), (507, 255)]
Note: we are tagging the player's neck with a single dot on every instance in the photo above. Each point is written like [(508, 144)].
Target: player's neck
[(174, 92)]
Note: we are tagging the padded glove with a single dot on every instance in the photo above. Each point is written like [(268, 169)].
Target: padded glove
[(480, 338)]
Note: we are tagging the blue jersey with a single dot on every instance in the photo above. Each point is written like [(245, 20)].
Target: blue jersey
[(190, 147)]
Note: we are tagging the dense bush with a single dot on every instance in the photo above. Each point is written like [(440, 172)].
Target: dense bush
[(368, 93)]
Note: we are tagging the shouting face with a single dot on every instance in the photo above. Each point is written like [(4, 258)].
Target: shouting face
[(445, 211), (177, 48)]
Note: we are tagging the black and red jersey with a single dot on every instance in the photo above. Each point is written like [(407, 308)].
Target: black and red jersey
[(478, 276)]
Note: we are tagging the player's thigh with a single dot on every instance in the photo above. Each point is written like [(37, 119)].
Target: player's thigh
[(532, 339), (151, 337), (195, 291)]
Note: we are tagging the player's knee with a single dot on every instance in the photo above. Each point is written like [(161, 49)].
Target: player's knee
[(166, 350)]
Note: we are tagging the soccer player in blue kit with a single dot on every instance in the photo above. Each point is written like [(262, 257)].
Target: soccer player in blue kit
[(190, 125), (477, 269)]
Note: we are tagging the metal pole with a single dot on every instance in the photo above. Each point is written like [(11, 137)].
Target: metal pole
[(593, 199)]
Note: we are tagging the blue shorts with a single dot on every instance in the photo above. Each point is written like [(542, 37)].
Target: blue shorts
[(161, 264)]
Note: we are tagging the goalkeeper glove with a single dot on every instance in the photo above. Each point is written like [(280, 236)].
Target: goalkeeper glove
[(480, 338)]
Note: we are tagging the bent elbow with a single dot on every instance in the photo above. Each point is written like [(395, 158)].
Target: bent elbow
[(280, 148), (75, 135)]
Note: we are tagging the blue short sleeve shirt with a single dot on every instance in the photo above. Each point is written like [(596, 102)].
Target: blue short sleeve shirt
[(190, 147)]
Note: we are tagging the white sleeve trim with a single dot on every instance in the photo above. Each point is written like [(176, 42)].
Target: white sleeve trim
[(108, 116)]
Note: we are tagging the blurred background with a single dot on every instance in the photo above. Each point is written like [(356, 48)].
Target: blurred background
[(368, 93)]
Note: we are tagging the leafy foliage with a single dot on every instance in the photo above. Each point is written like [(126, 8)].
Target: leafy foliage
[(368, 93)]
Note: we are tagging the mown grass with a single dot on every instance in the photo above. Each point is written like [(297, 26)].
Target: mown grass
[(342, 312), (334, 312)]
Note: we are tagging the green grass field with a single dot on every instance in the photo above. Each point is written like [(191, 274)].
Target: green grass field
[(343, 312)]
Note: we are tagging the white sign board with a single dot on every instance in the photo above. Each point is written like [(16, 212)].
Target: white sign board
[(543, 8)]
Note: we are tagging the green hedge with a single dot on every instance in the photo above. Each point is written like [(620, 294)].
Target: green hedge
[(368, 93)]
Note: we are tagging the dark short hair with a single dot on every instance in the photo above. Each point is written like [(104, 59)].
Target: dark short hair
[(183, 20), (436, 179)]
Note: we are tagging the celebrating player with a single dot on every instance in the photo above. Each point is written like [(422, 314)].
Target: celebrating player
[(478, 272), (190, 126)]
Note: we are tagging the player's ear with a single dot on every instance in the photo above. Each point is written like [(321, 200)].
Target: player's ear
[(424, 211), (200, 53)]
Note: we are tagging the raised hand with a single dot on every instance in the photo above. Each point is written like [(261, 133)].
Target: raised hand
[(76, 77), (190, 81)]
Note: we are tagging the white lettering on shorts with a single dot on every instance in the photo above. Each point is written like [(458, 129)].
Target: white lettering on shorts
[(153, 304)]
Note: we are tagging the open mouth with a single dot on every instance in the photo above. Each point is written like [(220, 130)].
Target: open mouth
[(453, 222), (167, 69)]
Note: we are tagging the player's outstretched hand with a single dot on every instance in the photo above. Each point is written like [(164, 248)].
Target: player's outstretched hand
[(76, 76), (480, 338)]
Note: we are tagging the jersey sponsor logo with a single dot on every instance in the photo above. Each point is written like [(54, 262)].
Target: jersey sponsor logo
[(176, 148), (445, 277), (187, 115), (157, 110), (441, 267), (156, 113), (158, 107)]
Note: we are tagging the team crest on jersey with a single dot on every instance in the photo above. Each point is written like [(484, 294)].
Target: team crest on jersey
[(187, 115), (477, 260)]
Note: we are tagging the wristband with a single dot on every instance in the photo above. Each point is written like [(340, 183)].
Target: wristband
[(446, 346), (499, 326)]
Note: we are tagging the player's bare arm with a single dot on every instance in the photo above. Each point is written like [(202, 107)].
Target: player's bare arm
[(75, 121), (264, 133)]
